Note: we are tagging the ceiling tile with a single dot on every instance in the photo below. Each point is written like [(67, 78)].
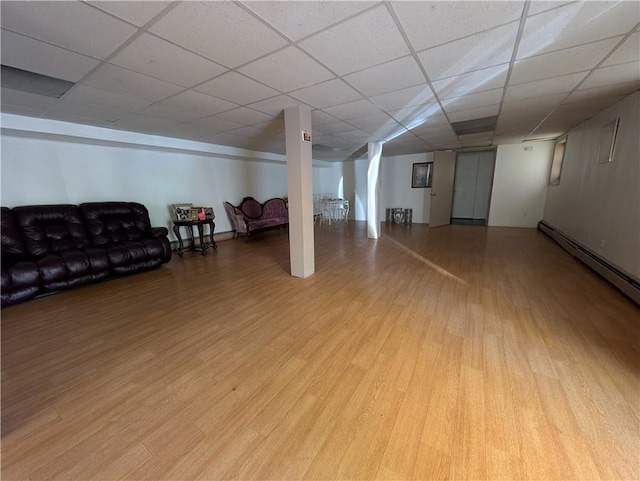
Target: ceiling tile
[(480, 99), (95, 112), (199, 102), (478, 113), (428, 24), (122, 81), (607, 91), (136, 12), (377, 40), (216, 124), (237, 88), (286, 70), (236, 38), (33, 55), (478, 81), (507, 127), (595, 102), (144, 123), (616, 74), (89, 95), (300, 19), (539, 6), (326, 94), (476, 139), (540, 88), (629, 51), (351, 110), (533, 106), (429, 131), (415, 115), (275, 105), (388, 77), (76, 119), (481, 50), (160, 59), (245, 116), (318, 117), (72, 25), (576, 23), (567, 61), (355, 135), (25, 111), (171, 112), (416, 95), (26, 100), (332, 128)]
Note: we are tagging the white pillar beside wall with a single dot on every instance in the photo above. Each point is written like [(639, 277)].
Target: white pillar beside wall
[(297, 120), (373, 190)]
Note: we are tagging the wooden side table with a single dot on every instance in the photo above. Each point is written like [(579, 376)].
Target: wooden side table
[(190, 224)]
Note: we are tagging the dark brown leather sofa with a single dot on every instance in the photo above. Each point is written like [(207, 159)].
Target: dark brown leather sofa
[(47, 248)]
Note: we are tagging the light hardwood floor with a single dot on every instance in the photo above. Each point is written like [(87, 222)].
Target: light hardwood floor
[(454, 353)]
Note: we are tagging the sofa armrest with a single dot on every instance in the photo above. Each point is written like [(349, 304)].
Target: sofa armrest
[(159, 232), (239, 223)]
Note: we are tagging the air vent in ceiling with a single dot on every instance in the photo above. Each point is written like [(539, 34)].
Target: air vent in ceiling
[(475, 126), (16, 79)]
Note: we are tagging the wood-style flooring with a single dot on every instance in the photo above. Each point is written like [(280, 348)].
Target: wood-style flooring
[(457, 353)]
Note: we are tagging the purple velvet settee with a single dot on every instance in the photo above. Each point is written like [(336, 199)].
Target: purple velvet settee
[(251, 215), (48, 248)]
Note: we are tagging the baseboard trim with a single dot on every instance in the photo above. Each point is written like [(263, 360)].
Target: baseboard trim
[(623, 282)]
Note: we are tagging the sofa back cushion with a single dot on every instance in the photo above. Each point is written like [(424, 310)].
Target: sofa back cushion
[(275, 208), (114, 222), (48, 229), (251, 208), (13, 248)]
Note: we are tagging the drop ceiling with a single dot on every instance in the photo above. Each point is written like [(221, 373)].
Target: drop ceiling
[(402, 72)]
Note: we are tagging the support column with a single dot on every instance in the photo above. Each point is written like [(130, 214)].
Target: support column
[(373, 190), (297, 120)]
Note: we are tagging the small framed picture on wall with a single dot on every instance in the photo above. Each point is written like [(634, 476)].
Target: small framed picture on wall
[(421, 175)]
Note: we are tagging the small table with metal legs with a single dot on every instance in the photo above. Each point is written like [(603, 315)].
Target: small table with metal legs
[(190, 224)]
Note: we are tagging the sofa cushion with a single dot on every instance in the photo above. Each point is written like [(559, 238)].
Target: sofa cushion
[(20, 276), (268, 222), (277, 208), (13, 247), (73, 267), (20, 282), (134, 251), (48, 229), (114, 222), (251, 208)]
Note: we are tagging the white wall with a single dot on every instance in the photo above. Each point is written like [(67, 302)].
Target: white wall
[(520, 184), (598, 205), (328, 179), (395, 186), (355, 187), (42, 168)]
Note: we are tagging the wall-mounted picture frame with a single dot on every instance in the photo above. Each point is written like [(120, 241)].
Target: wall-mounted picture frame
[(182, 211), (608, 134), (421, 175)]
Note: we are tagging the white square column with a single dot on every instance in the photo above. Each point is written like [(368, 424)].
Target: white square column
[(297, 120)]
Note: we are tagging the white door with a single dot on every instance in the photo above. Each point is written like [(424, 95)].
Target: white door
[(472, 185), (444, 167)]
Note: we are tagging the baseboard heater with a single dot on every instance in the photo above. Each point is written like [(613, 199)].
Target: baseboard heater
[(625, 283)]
